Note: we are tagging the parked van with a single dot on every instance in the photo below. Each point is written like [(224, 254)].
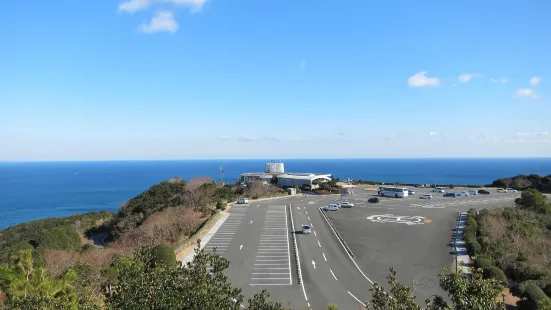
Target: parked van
[(438, 190), (473, 192), (242, 201)]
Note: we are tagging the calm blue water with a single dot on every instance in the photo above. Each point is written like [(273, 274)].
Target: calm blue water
[(30, 191)]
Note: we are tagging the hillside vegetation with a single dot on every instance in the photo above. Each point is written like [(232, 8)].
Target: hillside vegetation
[(55, 233), (513, 245), (522, 182)]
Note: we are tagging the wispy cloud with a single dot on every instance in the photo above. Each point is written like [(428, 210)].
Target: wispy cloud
[(499, 81), (433, 133), (526, 92), (273, 139), (161, 22), (466, 77), (223, 138), (422, 80), (535, 81), (131, 6)]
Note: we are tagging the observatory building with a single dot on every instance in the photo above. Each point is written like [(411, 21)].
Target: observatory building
[(284, 179)]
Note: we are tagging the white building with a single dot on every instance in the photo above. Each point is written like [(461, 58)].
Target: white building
[(284, 179)]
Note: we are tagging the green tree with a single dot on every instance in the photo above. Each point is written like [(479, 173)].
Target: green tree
[(200, 285), (532, 199), (475, 293), (27, 287)]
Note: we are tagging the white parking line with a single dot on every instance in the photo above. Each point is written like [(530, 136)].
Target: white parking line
[(324, 256), (333, 274), (319, 243)]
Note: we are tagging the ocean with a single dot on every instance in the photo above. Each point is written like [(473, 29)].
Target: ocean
[(30, 191)]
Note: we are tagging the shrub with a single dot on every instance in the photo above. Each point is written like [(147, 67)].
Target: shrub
[(163, 255), (471, 223), (220, 206), (494, 273), (482, 263), (534, 293)]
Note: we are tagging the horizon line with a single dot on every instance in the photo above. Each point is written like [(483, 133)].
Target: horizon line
[(245, 159)]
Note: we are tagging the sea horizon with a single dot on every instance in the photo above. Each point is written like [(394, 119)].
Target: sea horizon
[(36, 190)]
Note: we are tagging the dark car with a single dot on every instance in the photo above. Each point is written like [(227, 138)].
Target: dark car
[(450, 195), (374, 200), (451, 186), (483, 192)]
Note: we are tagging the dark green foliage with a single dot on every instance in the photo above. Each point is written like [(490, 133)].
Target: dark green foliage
[(469, 235), (138, 286), (482, 263), (532, 199), (55, 233), (493, 272), (522, 182), (163, 255), (221, 206), (534, 294)]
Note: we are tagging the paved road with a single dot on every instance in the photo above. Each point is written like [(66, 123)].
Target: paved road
[(409, 234), (256, 239)]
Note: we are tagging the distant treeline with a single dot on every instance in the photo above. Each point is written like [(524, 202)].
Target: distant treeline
[(522, 182)]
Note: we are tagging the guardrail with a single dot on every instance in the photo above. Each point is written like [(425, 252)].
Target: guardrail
[(295, 249), (346, 247)]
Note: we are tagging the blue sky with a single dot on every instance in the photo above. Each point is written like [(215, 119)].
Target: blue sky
[(178, 79)]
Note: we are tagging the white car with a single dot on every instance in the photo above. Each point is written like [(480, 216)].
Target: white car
[(242, 201), (331, 207), (473, 192), (426, 196), (462, 194), (438, 190), (346, 204), (501, 190), (411, 193), (306, 229), (511, 190)]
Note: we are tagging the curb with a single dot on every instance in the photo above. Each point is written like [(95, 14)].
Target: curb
[(205, 239), (459, 244), (337, 233), (295, 249)]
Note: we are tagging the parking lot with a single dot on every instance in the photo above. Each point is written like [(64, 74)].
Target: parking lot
[(410, 234)]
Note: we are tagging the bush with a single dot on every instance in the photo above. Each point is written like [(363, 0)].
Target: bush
[(482, 263), (534, 293), (221, 205), (163, 255), (494, 273), (471, 223)]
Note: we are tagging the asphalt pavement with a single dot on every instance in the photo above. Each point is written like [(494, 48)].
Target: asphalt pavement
[(410, 234)]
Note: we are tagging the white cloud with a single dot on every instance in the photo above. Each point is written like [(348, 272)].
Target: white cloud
[(433, 133), (525, 92), (466, 77), (162, 21), (131, 6), (134, 5), (500, 81), (421, 80), (542, 134), (223, 138), (535, 81)]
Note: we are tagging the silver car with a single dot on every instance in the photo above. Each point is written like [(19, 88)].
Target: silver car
[(306, 229)]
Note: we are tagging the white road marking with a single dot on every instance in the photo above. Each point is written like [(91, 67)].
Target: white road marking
[(333, 274), (297, 255), (315, 233), (357, 299), (314, 263), (309, 218), (298, 208), (306, 212), (324, 256), (240, 247), (353, 261), (319, 243), (251, 222)]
